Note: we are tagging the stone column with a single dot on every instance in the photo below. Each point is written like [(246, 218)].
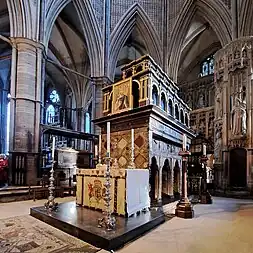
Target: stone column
[(97, 104), (26, 83), (159, 195)]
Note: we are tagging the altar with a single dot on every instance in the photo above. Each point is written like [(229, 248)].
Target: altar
[(129, 190)]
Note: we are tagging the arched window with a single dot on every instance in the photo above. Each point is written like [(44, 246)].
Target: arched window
[(155, 95), (87, 118), (207, 66), (87, 122), (171, 107), (163, 102), (50, 114), (176, 112)]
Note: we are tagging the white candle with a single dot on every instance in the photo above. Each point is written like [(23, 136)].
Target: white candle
[(204, 149), (132, 142), (108, 139), (184, 141), (53, 148), (96, 150), (99, 144)]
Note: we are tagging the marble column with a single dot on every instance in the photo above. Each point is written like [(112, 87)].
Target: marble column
[(26, 84)]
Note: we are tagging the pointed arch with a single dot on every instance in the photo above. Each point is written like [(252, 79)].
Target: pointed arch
[(89, 25), (123, 30), (214, 12), (246, 18), (20, 16)]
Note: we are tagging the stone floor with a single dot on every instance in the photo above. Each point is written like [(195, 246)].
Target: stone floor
[(224, 226)]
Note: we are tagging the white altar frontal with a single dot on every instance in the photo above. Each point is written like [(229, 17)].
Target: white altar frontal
[(129, 189)]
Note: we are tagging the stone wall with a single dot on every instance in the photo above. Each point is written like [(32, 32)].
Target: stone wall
[(233, 114)]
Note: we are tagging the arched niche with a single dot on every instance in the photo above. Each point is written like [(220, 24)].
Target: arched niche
[(135, 93), (171, 108), (163, 102), (176, 112), (155, 95), (154, 174), (176, 180), (182, 116)]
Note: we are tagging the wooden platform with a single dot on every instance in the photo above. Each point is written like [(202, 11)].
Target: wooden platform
[(83, 224)]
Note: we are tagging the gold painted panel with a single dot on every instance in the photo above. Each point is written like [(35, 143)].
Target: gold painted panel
[(121, 196), (94, 192), (79, 190), (122, 96)]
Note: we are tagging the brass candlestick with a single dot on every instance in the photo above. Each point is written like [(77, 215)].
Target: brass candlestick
[(51, 205), (107, 221)]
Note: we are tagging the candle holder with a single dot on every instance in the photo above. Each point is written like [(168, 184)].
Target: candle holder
[(99, 158), (51, 205), (107, 221), (206, 197), (184, 207), (131, 163)]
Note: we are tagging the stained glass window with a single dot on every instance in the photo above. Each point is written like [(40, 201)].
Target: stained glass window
[(50, 114), (211, 66), (54, 97), (207, 66), (87, 122)]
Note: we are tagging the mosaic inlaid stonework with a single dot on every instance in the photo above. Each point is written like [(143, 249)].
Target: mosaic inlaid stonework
[(121, 147), (27, 234)]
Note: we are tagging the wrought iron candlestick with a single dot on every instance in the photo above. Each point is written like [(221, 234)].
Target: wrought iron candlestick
[(51, 205), (107, 221), (184, 207), (206, 197)]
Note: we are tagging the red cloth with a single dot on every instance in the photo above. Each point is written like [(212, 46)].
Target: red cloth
[(3, 169)]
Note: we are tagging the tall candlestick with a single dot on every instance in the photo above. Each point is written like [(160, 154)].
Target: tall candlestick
[(53, 148), (204, 149), (132, 140), (131, 163), (96, 150), (99, 144), (108, 139), (184, 141)]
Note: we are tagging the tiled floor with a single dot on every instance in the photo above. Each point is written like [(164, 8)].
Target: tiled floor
[(224, 227)]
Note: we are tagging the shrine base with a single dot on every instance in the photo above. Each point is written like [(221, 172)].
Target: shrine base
[(82, 223), (184, 210)]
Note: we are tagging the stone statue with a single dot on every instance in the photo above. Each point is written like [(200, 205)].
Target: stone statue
[(217, 144), (201, 101), (239, 117), (218, 106)]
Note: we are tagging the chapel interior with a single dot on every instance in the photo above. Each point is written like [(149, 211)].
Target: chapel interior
[(111, 101)]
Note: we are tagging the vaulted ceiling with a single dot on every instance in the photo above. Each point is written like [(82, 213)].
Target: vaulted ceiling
[(67, 46), (200, 42)]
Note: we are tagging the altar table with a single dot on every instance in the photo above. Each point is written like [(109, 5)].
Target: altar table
[(129, 189)]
